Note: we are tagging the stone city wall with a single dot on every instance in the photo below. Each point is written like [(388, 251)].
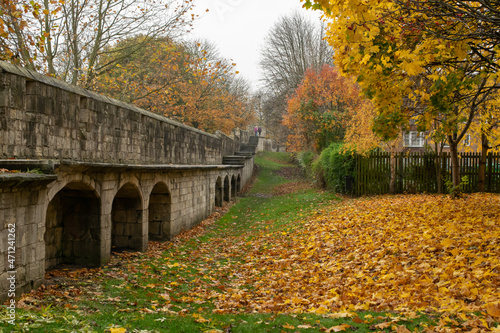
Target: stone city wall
[(115, 176)]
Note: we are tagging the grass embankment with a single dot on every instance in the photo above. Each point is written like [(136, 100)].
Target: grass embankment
[(288, 258)]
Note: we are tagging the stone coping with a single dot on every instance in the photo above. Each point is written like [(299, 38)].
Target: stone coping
[(17, 179), (49, 166), (81, 166), (46, 166)]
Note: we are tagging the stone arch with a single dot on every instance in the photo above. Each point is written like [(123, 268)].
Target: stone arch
[(238, 184), (227, 194), (219, 193), (72, 226), (90, 182), (159, 211), (233, 186), (127, 219)]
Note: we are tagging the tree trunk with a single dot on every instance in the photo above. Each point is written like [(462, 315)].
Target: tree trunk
[(392, 182), (481, 185), (49, 56), (455, 169), (438, 162)]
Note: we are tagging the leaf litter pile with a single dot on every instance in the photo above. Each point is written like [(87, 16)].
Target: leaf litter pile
[(401, 254)]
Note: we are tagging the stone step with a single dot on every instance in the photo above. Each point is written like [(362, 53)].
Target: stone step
[(248, 147), (233, 160), (245, 153)]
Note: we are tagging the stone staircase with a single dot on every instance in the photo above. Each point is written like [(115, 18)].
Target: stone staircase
[(246, 151)]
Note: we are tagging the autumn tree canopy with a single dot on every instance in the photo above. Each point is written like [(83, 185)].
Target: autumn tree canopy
[(323, 109), (188, 82), (412, 70), (468, 21)]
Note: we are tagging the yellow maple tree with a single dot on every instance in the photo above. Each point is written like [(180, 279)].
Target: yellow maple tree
[(410, 71)]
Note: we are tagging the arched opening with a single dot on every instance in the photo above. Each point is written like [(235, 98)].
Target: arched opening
[(159, 212), (233, 186), (126, 216), (238, 184), (226, 189), (72, 227), (218, 192)]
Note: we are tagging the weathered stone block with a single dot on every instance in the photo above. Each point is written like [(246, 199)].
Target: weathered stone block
[(34, 272), (32, 233), (135, 229), (137, 243), (30, 254), (51, 251), (154, 228), (120, 215), (40, 251), (119, 228), (132, 216)]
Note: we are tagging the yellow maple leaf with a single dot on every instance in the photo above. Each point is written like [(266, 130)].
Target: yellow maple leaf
[(321, 310), (336, 315), (117, 330), (493, 310), (447, 242)]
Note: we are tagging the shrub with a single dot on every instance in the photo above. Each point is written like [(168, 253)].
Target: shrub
[(334, 165)]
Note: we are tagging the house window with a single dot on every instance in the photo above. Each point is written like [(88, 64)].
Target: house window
[(467, 140), (414, 139)]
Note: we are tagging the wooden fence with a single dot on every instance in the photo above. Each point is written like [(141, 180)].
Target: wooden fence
[(417, 173)]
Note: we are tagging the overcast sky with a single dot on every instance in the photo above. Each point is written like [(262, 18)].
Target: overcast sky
[(238, 28)]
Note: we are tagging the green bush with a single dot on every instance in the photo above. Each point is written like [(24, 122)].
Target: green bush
[(333, 166)]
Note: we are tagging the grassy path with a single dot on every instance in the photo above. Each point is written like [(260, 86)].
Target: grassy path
[(290, 258)]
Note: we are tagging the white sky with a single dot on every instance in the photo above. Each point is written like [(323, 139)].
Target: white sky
[(238, 28)]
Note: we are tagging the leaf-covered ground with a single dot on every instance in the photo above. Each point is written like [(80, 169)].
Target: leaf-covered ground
[(288, 258), (418, 253)]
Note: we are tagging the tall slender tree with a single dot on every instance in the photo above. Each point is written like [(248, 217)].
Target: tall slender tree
[(294, 44)]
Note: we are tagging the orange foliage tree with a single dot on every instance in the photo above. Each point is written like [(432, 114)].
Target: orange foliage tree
[(325, 108), (187, 83)]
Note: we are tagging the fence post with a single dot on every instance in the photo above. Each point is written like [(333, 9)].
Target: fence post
[(489, 167)]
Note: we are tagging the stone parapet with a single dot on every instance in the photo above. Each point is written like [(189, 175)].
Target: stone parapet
[(45, 118)]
